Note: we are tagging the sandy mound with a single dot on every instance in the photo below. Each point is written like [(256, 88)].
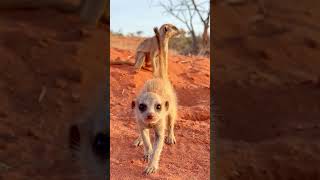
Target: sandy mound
[(189, 158)]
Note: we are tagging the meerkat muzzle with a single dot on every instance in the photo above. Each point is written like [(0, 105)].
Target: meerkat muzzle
[(150, 117)]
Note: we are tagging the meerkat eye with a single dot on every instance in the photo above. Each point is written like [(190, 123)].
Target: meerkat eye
[(158, 106), (100, 144), (142, 107)]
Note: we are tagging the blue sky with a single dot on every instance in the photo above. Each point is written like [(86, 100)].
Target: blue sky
[(130, 16)]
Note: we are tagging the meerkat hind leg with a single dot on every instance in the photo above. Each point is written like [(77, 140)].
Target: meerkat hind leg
[(147, 60), (139, 61)]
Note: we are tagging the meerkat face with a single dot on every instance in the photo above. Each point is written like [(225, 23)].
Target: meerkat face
[(149, 108), (90, 149), (169, 30), (89, 142)]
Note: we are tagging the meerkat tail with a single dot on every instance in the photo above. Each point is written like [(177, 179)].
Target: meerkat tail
[(162, 56)]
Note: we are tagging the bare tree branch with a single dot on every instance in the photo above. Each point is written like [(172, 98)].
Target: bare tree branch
[(170, 11), (185, 11), (204, 21)]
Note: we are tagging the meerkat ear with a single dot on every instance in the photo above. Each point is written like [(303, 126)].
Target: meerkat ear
[(167, 105), (133, 104), (155, 29)]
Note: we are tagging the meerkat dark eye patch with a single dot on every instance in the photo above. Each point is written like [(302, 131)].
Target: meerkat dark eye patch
[(158, 107), (74, 137), (100, 145), (142, 107), (167, 105), (133, 104)]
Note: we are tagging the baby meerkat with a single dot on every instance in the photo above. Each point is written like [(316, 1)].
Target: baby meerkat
[(155, 108)]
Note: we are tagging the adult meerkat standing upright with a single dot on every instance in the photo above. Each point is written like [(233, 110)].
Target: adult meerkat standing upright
[(148, 49), (156, 108)]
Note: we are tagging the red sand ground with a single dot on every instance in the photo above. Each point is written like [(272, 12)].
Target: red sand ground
[(44, 48), (189, 158)]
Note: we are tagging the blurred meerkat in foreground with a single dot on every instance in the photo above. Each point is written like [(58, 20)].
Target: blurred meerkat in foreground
[(148, 49), (156, 109), (89, 140)]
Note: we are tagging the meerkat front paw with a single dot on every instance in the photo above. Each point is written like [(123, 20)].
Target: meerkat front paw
[(171, 139), (151, 169), (138, 142)]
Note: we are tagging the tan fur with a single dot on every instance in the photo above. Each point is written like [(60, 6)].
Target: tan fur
[(156, 92), (149, 48)]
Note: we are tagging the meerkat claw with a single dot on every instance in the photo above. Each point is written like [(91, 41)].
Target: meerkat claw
[(138, 142), (171, 140), (150, 169)]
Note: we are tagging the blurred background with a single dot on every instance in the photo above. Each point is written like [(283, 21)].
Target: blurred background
[(266, 89), (53, 56)]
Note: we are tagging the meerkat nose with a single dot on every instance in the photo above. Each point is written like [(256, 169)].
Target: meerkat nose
[(150, 116)]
